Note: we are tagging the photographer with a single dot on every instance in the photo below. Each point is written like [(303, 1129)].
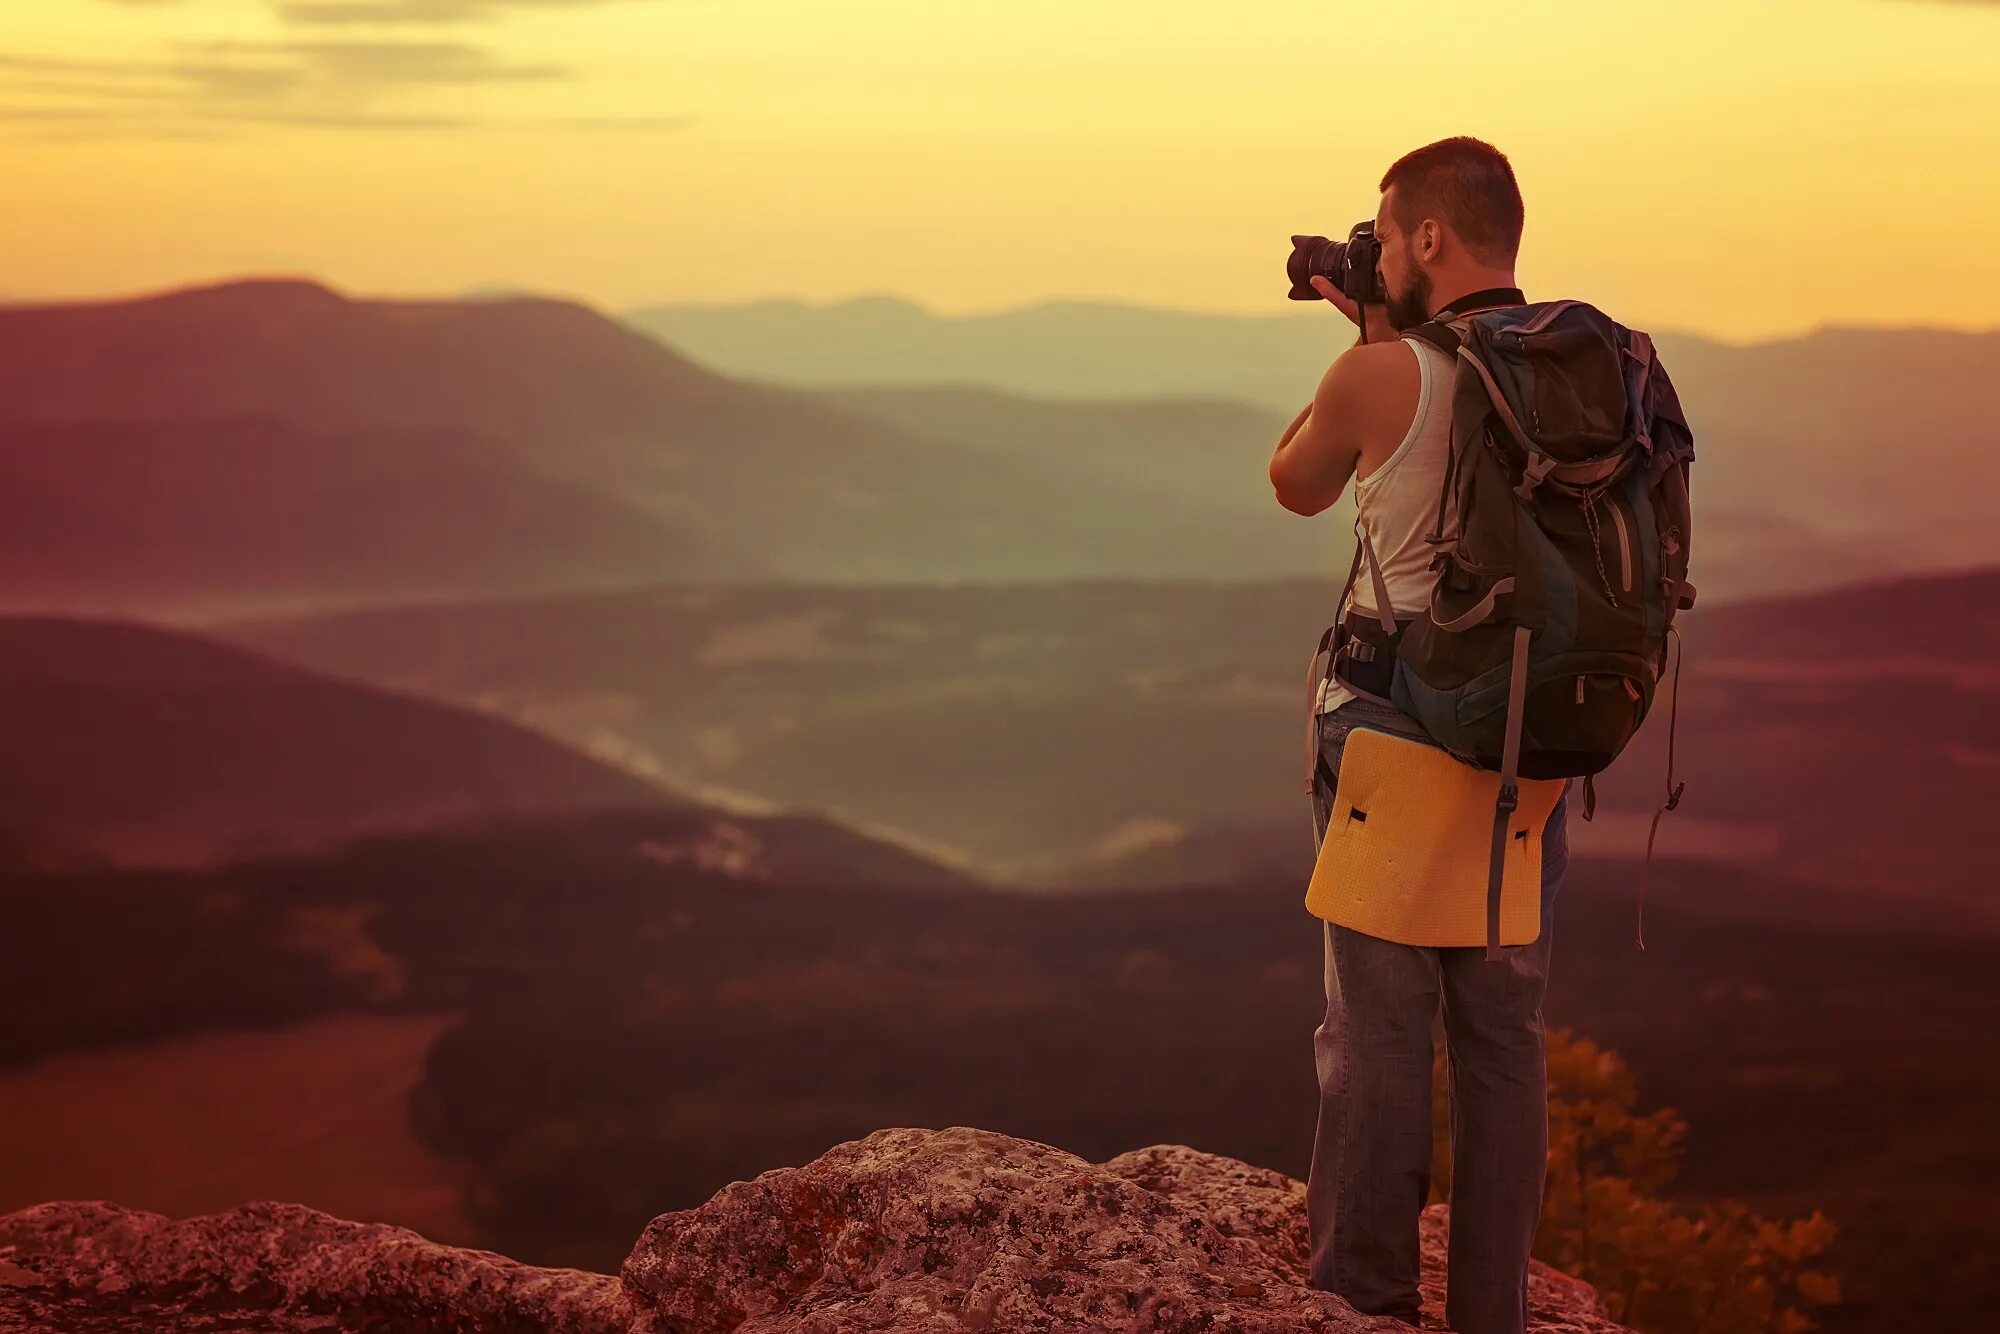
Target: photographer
[(1448, 227)]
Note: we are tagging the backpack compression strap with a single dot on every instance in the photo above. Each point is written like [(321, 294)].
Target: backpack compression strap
[(1510, 791)]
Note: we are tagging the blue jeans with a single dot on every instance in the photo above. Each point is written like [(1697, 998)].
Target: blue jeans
[(1371, 1163)]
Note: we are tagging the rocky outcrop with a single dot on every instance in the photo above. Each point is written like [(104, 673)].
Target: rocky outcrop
[(905, 1230)]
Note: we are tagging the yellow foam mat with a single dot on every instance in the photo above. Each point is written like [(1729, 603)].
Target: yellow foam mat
[(1408, 846)]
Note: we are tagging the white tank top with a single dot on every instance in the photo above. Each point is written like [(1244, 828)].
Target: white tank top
[(1397, 505)]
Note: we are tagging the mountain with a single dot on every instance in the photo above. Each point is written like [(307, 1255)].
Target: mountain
[(1123, 732), (1185, 444), (1876, 434), (1194, 447), (149, 746), (1833, 456), (191, 517), (1846, 736), (740, 480), (1055, 349)]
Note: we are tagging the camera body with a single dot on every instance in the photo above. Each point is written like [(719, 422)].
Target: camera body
[(1353, 265)]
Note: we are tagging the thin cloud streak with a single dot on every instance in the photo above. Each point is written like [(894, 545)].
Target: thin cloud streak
[(393, 13), (365, 82), (390, 63), (334, 13)]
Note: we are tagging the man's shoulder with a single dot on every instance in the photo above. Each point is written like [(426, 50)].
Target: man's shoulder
[(1384, 372), (1385, 358)]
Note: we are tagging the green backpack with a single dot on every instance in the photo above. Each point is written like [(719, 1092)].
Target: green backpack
[(1561, 546)]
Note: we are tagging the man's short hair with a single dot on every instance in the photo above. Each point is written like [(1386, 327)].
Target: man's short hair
[(1469, 185)]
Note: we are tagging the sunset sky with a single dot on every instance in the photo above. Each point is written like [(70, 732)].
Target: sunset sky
[(1743, 170)]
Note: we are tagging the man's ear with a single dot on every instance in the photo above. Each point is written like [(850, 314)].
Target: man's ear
[(1429, 239)]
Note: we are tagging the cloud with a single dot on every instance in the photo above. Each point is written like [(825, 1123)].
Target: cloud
[(281, 82), (335, 13), (612, 123), (123, 119), (375, 64), (372, 81), (242, 81), (308, 13), (58, 66), (40, 114)]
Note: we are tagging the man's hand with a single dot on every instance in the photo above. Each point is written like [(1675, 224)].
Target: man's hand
[(1378, 331)]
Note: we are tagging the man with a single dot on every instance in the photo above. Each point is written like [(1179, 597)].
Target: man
[(1450, 225)]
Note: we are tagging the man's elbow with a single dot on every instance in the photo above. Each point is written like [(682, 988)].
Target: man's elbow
[(1307, 506), (1296, 496)]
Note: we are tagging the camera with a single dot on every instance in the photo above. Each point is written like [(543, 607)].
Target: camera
[(1352, 265)]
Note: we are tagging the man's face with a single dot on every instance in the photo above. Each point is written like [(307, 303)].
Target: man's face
[(1407, 282)]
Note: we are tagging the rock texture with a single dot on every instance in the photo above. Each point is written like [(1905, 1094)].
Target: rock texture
[(906, 1231), (101, 1269)]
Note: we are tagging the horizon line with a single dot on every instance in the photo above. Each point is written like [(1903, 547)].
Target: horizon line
[(496, 292)]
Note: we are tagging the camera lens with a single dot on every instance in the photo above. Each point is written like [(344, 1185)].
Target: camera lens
[(1314, 255)]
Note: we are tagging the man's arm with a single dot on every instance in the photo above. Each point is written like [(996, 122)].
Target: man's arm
[(1358, 401)]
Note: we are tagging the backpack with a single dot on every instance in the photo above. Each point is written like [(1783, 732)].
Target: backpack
[(1561, 546)]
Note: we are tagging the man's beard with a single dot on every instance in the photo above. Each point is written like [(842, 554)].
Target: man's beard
[(1413, 306)]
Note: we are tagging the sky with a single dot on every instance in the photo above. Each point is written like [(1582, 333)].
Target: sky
[(1743, 170)]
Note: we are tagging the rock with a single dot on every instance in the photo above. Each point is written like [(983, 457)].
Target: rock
[(96, 1268), (906, 1231)]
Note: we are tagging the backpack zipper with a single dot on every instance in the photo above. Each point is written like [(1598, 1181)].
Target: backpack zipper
[(1624, 546)]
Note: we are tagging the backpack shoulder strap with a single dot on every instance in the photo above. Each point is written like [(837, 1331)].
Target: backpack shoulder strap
[(1439, 334)]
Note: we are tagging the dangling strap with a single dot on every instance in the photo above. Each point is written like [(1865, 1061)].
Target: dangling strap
[(1589, 795), (1315, 677), (1383, 612), (1510, 792), (1674, 789)]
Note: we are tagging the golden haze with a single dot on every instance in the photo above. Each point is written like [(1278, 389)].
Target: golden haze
[(1738, 170)]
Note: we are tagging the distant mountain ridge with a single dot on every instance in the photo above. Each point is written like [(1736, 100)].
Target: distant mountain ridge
[(1075, 349), (1054, 349), (654, 467), (1840, 455)]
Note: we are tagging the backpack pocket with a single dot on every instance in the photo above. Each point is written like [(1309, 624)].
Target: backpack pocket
[(1563, 374), (1582, 712)]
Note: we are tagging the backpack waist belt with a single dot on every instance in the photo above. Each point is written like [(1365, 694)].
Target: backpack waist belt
[(1364, 657)]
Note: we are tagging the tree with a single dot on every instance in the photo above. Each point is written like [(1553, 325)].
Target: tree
[(1663, 1269)]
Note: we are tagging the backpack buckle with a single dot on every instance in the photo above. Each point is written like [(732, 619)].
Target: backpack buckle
[(1538, 467)]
